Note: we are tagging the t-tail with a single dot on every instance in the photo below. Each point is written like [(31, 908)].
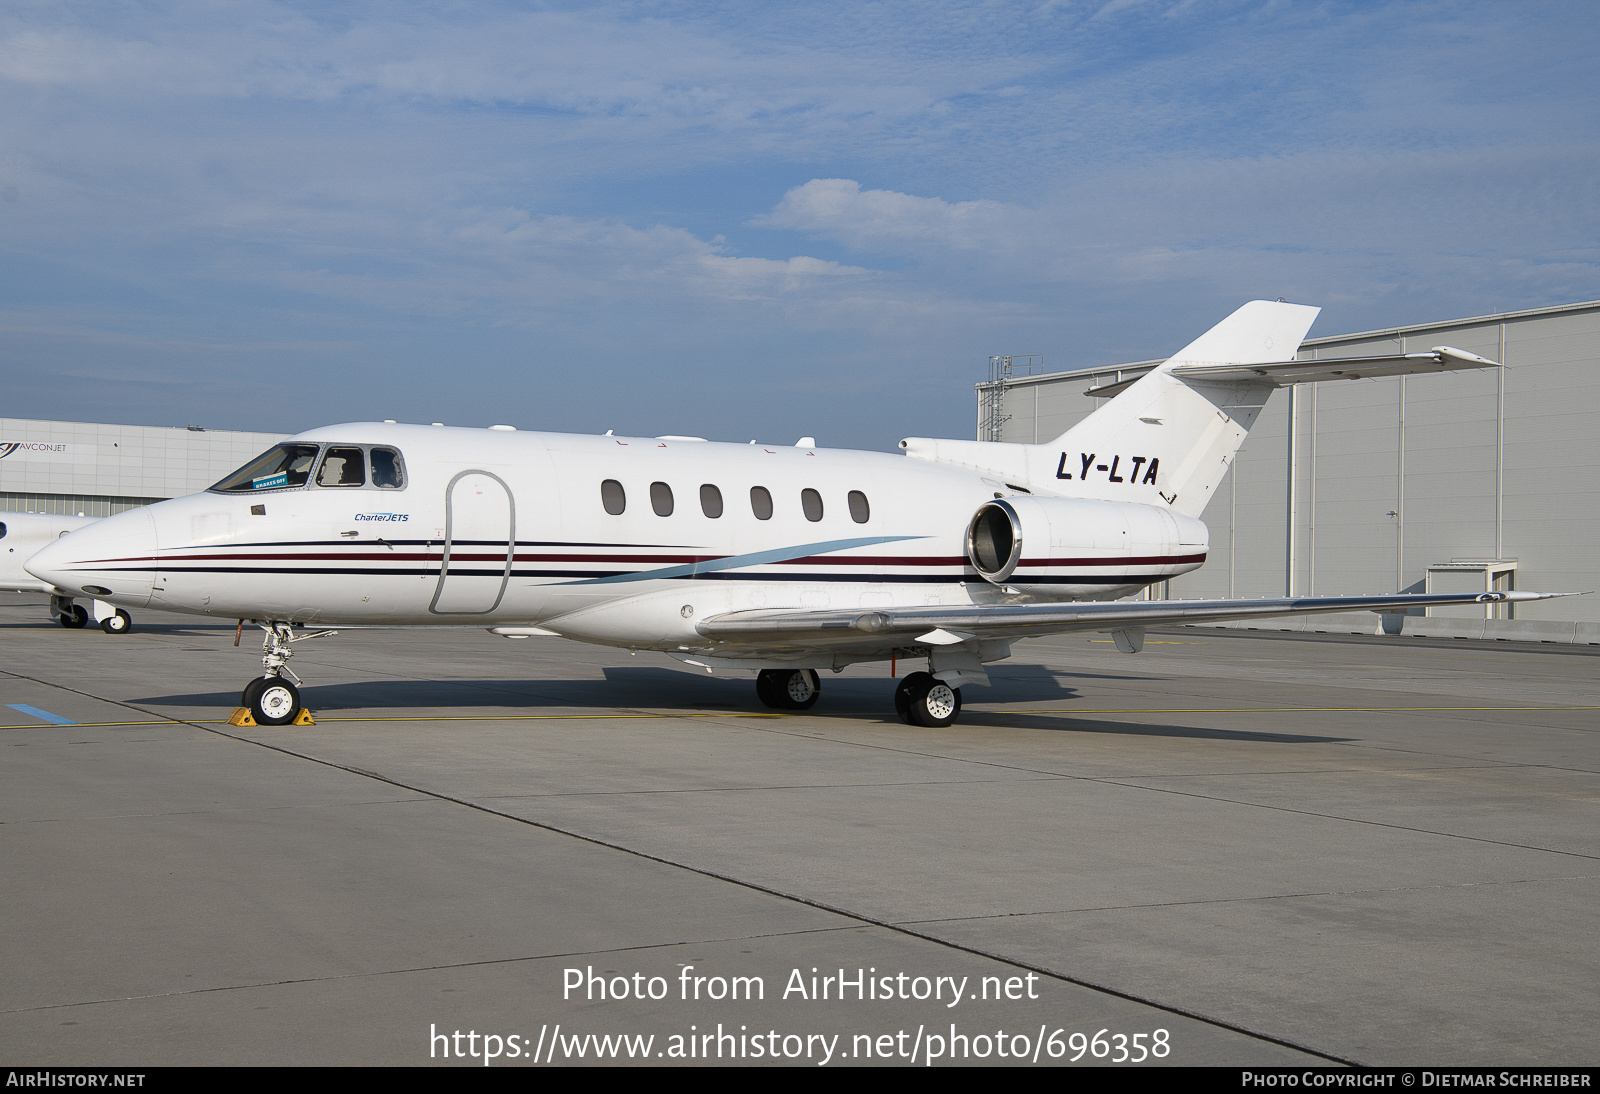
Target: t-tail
[(1168, 437)]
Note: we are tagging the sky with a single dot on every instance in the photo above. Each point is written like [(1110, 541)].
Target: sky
[(748, 220)]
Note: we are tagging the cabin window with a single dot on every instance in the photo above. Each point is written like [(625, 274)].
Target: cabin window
[(860, 512), (613, 497), (2, 530), (661, 499), (280, 466), (711, 501), (811, 504), (387, 471), (343, 467), (761, 502)]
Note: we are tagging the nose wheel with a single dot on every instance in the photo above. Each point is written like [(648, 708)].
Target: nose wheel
[(271, 700)]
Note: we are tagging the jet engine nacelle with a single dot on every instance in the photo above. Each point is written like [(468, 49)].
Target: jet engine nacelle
[(1073, 547)]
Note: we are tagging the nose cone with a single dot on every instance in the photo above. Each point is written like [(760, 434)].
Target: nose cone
[(112, 560)]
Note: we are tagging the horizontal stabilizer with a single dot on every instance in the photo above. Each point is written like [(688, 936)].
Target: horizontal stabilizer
[(1284, 373)]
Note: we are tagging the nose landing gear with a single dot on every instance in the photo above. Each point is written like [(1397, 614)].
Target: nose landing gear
[(271, 699)]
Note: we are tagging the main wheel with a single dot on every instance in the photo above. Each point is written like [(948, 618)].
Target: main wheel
[(120, 623), (75, 616), (801, 689), (931, 702), (275, 702), (788, 689)]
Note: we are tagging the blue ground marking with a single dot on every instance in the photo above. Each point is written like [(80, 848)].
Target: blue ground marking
[(44, 715)]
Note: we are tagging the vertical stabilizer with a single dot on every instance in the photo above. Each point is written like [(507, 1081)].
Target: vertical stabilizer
[(1260, 331), (1167, 441)]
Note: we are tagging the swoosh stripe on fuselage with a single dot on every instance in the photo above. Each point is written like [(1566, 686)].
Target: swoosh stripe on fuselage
[(587, 576), (688, 566)]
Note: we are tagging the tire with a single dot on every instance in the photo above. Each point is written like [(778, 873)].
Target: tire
[(275, 702), (76, 616), (788, 689), (120, 623), (247, 698), (933, 703), (767, 688), (902, 696)]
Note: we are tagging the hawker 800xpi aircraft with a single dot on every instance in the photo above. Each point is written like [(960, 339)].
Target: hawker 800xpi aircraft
[(781, 559)]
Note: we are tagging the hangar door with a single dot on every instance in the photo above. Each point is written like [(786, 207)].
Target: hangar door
[(479, 543)]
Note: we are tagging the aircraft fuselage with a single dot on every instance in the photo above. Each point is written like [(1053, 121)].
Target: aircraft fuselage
[(619, 540)]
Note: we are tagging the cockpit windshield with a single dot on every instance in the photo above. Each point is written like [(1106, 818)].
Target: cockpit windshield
[(281, 466), (289, 465), (343, 467)]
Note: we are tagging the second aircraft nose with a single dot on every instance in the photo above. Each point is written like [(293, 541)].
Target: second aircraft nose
[(112, 560)]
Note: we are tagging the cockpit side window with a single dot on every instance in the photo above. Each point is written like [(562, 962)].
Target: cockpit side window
[(387, 470), (279, 467), (343, 467)]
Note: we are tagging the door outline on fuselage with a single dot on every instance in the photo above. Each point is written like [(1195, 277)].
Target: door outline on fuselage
[(449, 539)]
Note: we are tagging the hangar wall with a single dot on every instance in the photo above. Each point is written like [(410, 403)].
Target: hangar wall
[(1399, 484), (72, 468)]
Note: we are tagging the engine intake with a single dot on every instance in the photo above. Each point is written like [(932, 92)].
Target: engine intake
[(994, 541), (1077, 547)]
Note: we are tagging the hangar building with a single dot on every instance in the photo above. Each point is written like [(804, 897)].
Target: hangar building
[(1486, 479), (73, 468)]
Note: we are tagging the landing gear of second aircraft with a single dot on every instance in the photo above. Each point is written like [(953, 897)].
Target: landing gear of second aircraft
[(67, 613), (76, 616)]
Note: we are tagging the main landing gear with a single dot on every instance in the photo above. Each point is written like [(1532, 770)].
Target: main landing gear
[(920, 700), (271, 699), (111, 620), (924, 700), (788, 689)]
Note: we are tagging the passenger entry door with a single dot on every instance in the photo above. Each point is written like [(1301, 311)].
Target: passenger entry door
[(479, 542)]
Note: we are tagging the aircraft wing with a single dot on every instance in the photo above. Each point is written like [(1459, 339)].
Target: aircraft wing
[(953, 624)]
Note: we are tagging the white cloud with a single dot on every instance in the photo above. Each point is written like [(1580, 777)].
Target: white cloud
[(886, 220)]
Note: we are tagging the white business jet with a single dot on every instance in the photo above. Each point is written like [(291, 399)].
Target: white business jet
[(21, 534), (782, 559)]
